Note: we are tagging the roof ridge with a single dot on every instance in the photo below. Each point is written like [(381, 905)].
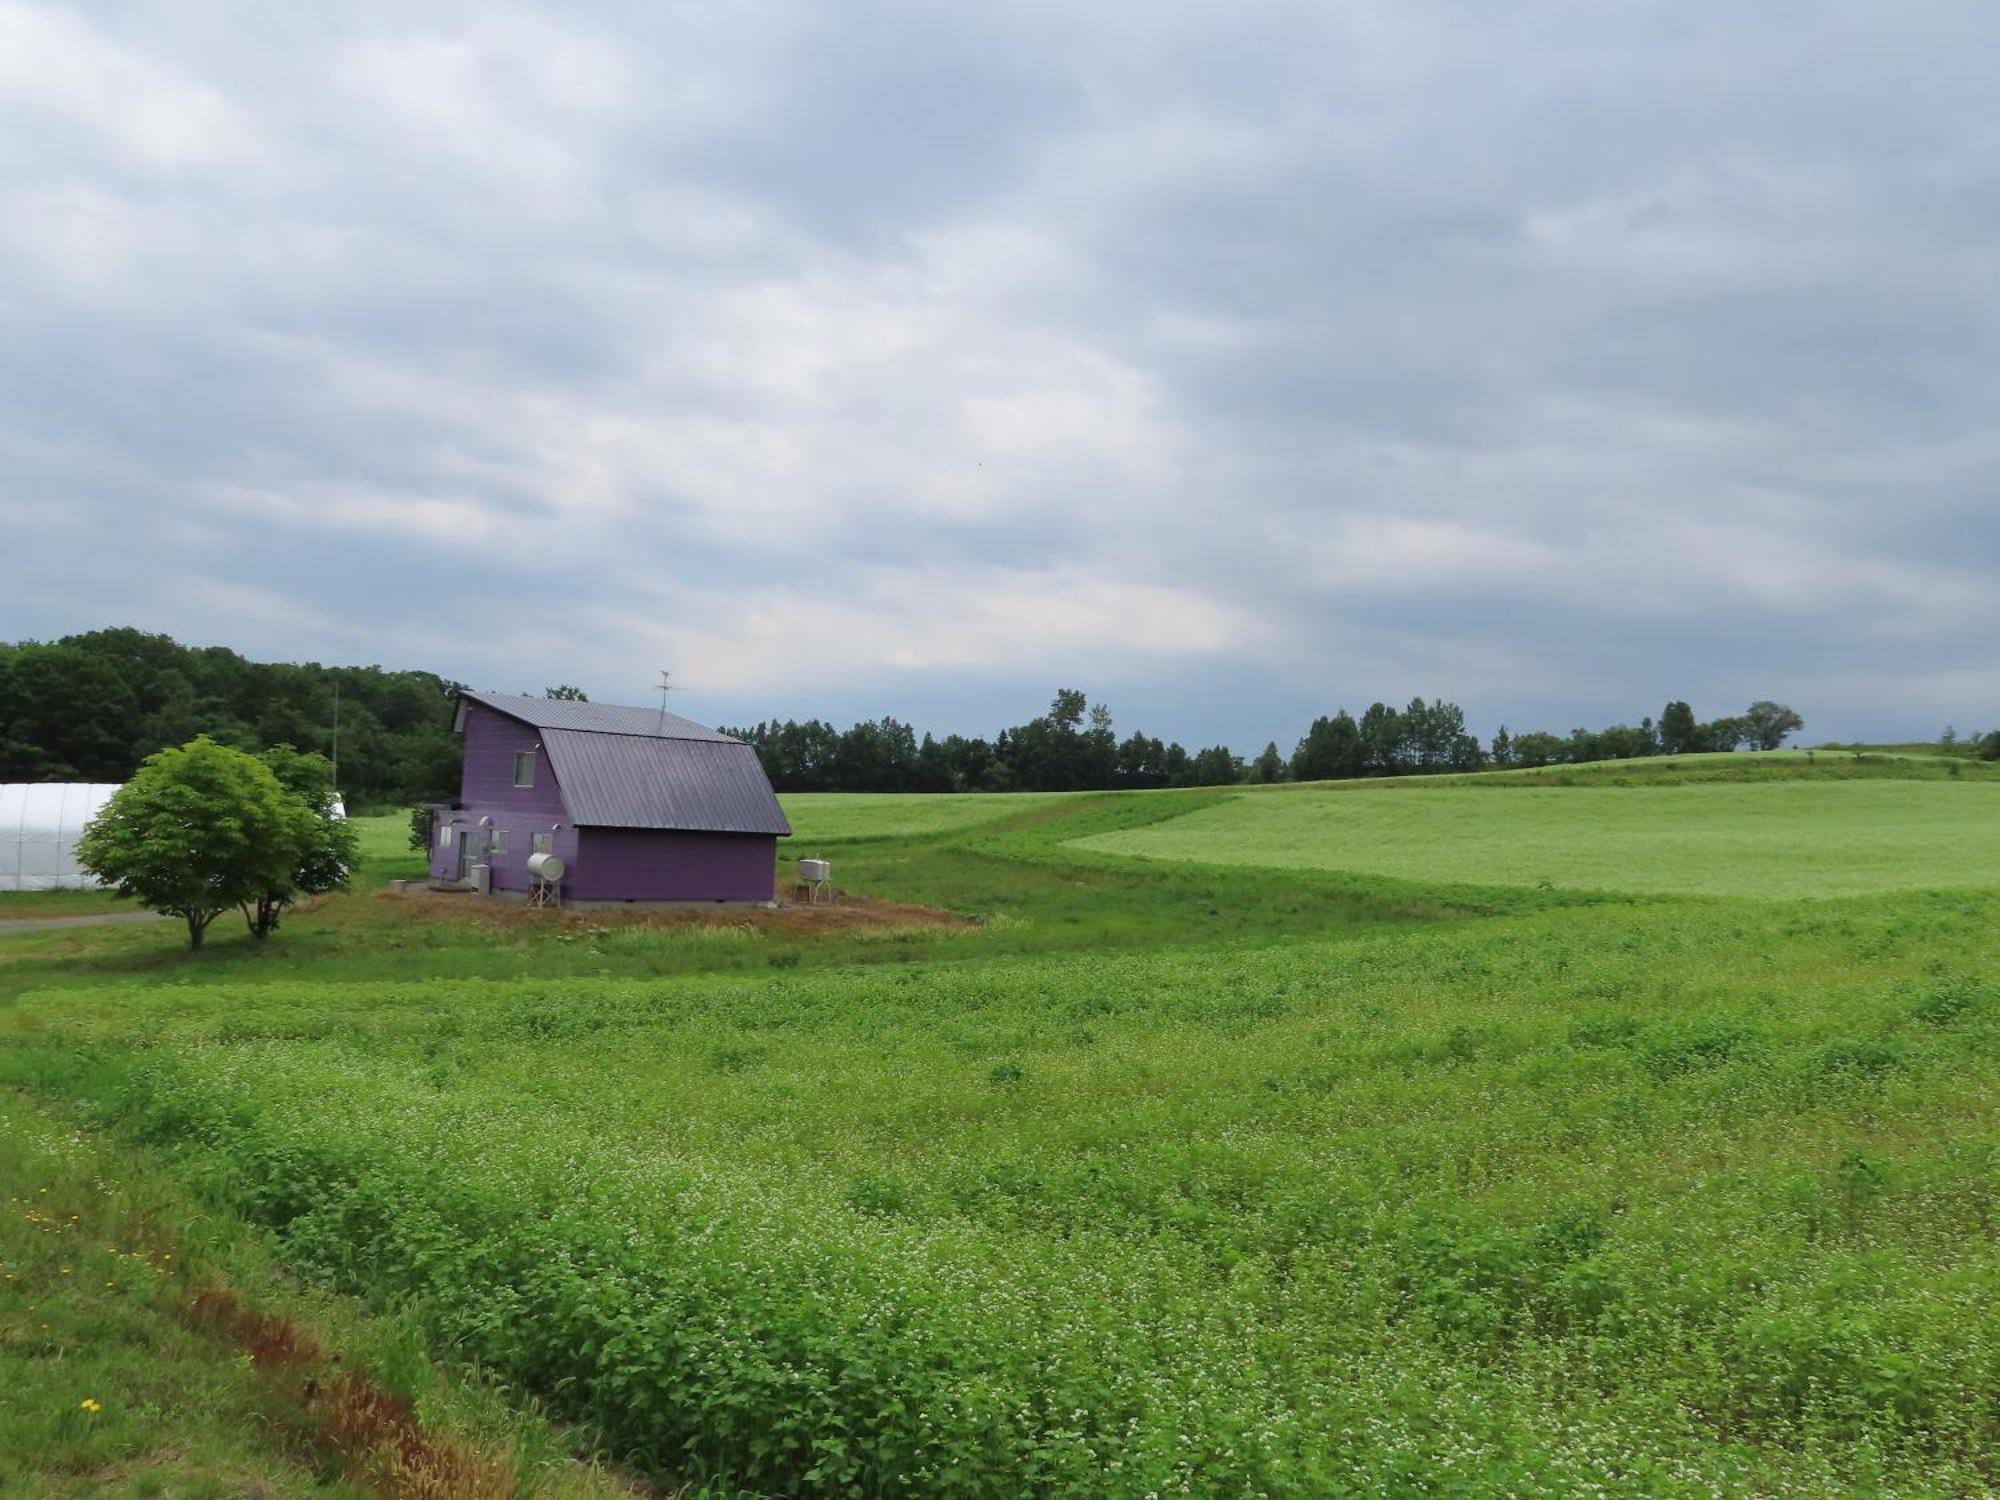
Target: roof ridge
[(584, 717), (707, 737)]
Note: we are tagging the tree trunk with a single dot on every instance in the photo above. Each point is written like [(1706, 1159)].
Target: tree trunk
[(266, 917), (197, 928)]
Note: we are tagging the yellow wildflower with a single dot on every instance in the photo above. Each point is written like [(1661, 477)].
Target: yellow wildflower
[(91, 1405)]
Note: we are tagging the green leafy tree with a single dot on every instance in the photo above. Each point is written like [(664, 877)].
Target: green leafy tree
[(1067, 711), (1382, 737), (1215, 766), (1766, 723), (195, 832), (1539, 748), (323, 846), (1679, 733), (1726, 733), (1268, 767), (1100, 750), (1142, 761), (565, 693), (1331, 750)]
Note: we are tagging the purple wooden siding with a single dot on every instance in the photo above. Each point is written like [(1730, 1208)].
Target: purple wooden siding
[(645, 864), (486, 787)]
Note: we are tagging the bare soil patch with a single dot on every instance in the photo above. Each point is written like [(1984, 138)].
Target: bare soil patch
[(845, 914)]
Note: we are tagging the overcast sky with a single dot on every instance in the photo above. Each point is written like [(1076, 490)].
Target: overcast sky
[(1232, 362)]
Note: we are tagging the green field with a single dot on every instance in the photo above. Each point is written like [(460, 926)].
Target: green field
[(1350, 1159), (845, 817), (1792, 838)]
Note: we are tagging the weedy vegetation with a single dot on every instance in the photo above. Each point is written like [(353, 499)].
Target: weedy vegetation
[(1467, 1139)]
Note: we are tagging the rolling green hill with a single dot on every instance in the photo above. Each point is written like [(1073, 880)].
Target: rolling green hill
[(1804, 837), (1344, 1158)]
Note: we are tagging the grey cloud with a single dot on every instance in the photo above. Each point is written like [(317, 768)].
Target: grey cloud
[(1550, 357)]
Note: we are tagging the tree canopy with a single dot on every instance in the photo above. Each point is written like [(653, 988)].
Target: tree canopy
[(1766, 723), (91, 707), (203, 827)]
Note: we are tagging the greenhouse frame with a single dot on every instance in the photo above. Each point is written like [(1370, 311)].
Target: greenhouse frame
[(40, 823)]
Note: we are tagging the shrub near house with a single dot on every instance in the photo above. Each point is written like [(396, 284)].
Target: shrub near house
[(205, 828)]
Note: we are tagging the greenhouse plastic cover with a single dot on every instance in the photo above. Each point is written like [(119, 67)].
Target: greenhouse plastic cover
[(39, 827)]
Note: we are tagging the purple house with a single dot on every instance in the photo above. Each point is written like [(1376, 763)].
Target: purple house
[(640, 805)]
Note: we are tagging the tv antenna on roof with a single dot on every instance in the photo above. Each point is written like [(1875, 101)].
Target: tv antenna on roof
[(666, 687)]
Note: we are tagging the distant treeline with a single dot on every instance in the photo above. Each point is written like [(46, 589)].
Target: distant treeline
[(1070, 748), (1074, 747), (91, 707)]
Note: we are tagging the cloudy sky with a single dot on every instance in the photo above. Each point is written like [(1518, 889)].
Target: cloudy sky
[(1232, 362)]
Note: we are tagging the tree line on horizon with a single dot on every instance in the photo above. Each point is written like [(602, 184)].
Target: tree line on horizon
[(1074, 747), (92, 707)]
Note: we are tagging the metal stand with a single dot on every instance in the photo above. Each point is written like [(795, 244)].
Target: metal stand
[(545, 893), (814, 891)]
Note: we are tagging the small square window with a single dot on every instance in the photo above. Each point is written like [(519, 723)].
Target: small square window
[(444, 835), (499, 844), (524, 768), (544, 843)]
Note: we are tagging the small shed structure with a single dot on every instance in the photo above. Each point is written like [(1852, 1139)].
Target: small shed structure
[(639, 805), (40, 823)]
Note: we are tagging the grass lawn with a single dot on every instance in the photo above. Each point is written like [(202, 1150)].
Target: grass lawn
[(1794, 838), (383, 844), (1145, 1176), (25, 905)]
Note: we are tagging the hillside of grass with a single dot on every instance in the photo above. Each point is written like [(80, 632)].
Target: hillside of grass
[(1881, 763), (1150, 1175), (857, 817), (1787, 838)]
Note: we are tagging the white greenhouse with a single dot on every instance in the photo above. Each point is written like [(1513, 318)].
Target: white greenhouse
[(40, 823)]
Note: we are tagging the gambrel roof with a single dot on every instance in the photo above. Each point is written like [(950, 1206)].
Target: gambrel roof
[(620, 767)]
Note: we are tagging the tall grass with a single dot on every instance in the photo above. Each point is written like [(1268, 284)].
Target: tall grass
[(1672, 1198)]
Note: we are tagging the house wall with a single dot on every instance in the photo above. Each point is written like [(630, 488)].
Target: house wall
[(643, 864), (486, 788)]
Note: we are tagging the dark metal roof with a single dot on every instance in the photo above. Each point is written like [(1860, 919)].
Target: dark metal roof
[(597, 718), (631, 781), (636, 768)]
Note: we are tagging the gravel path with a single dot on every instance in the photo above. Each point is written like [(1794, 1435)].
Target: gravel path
[(51, 924)]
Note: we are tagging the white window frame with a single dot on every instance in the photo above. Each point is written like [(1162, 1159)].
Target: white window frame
[(444, 835), (524, 768), (497, 842), (543, 843)]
